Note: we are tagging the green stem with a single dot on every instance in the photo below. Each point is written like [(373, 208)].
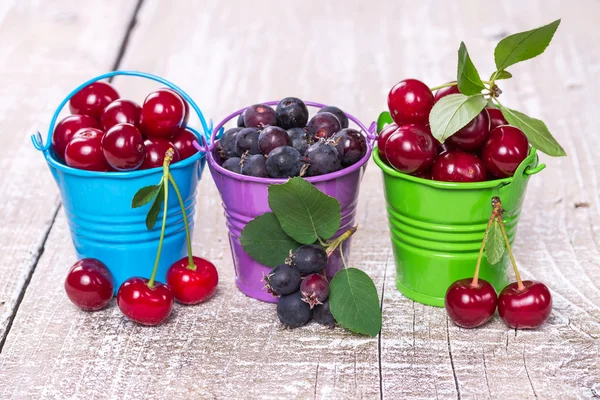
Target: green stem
[(433, 89), (520, 285), (191, 264), (338, 241), (475, 282), (491, 83), (342, 254), (162, 229)]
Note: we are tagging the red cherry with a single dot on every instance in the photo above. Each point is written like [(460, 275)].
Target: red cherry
[(89, 284), (121, 112), (183, 142), (506, 148), (410, 149), (470, 306), (84, 151), (66, 129), (163, 114), (496, 118), (383, 137), (192, 286), (185, 103), (123, 147), (528, 308), (446, 91), (458, 166), (155, 153), (145, 305), (93, 99), (473, 136), (410, 102)]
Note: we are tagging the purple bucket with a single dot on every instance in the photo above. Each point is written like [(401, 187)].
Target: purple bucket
[(246, 197)]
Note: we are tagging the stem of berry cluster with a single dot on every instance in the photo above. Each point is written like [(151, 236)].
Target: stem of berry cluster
[(191, 264), (165, 182), (475, 282), (433, 89), (499, 211), (338, 241)]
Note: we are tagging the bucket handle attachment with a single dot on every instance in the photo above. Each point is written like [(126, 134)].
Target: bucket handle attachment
[(370, 132), (37, 140)]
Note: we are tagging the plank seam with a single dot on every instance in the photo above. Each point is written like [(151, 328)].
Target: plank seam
[(452, 360), (125, 41), (380, 332)]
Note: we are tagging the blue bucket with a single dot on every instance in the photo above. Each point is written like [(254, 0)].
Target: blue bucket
[(98, 204)]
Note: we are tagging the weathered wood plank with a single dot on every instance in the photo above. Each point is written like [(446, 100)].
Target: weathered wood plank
[(47, 48), (233, 347)]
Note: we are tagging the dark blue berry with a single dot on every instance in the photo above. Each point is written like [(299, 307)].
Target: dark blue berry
[(338, 113), (254, 165), (233, 164), (300, 139), (351, 145), (284, 162), (322, 315), (291, 112), (322, 158), (310, 259), (247, 141), (226, 145), (323, 125), (292, 311), (283, 279), (259, 116), (272, 137), (240, 121)]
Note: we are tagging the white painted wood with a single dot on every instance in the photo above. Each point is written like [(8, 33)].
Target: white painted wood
[(228, 55), (46, 49)]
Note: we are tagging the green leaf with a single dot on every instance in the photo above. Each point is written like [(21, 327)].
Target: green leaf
[(145, 195), (304, 212), (354, 302), (494, 243), (265, 241), (155, 208), (536, 131), (524, 46), (499, 75), (385, 118), (469, 81), (453, 112)]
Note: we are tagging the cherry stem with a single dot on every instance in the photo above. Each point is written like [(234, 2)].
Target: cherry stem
[(443, 86), (191, 264), (165, 182), (520, 285), (338, 241), (475, 282), (342, 255)]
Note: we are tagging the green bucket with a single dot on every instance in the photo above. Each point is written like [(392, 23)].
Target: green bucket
[(437, 228)]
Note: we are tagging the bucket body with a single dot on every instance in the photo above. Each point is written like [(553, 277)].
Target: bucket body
[(102, 223), (437, 228), (245, 197), (104, 226)]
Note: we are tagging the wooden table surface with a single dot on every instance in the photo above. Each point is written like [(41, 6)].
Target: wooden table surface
[(230, 54)]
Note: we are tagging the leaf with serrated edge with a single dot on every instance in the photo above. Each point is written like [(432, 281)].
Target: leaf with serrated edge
[(499, 75), (536, 131), (469, 81), (354, 302), (304, 212), (494, 243), (265, 241), (524, 46), (144, 195), (385, 118), (155, 208), (453, 112)]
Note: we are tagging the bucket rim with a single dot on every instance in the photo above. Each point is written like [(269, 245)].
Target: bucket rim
[(55, 163), (214, 165), (529, 166)]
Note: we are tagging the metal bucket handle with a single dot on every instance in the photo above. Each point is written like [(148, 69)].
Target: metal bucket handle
[(37, 140), (370, 132)]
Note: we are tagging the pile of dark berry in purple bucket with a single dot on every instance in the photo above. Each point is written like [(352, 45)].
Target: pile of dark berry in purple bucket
[(283, 142)]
